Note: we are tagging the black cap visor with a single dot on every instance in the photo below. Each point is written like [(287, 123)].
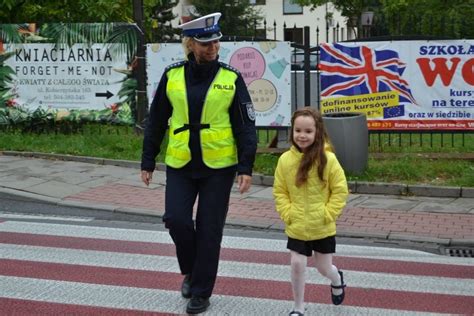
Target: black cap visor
[(204, 38)]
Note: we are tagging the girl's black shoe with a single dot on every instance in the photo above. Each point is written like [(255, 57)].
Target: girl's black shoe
[(338, 299)]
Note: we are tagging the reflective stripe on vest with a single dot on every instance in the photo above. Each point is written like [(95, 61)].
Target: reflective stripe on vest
[(217, 142)]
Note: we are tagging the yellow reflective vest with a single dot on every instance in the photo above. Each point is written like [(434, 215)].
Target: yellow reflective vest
[(218, 145)]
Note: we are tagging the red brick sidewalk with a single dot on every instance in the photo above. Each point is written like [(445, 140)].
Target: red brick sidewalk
[(260, 213)]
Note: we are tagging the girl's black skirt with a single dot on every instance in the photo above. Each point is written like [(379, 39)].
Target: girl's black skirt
[(325, 245)]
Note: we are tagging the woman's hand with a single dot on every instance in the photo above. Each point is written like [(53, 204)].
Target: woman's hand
[(244, 181), (146, 177)]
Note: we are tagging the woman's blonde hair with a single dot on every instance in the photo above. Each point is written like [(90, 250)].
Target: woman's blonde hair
[(315, 154), (187, 43)]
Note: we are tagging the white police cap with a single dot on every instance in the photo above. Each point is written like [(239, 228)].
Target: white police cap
[(203, 29)]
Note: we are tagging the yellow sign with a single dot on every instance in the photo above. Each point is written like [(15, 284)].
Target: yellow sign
[(370, 104)]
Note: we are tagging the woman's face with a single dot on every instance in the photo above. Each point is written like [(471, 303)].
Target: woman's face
[(205, 52)]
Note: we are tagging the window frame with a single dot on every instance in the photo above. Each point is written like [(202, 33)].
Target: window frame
[(287, 3)]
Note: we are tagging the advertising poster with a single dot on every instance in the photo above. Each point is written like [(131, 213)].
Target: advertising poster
[(264, 67), (76, 77), (403, 85), (82, 80)]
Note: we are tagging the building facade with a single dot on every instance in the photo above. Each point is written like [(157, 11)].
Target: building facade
[(326, 19)]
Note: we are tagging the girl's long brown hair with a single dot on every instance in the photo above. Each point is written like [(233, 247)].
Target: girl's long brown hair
[(315, 154)]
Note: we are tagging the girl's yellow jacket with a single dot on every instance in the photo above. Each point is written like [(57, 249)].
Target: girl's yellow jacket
[(309, 211)]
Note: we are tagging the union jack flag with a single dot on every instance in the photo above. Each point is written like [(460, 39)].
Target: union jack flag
[(348, 71)]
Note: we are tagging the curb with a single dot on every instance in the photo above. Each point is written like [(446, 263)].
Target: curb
[(360, 187)]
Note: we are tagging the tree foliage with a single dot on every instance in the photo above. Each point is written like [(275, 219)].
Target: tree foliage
[(162, 15), (21, 11), (351, 9), (239, 18), (442, 18), (347, 8), (76, 11)]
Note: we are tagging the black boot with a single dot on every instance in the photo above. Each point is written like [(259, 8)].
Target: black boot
[(186, 286), (197, 305)]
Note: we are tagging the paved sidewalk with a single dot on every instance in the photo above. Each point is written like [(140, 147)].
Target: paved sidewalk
[(439, 223)]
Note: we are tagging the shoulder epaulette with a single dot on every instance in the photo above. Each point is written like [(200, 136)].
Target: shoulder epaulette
[(229, 67), (178, 64)]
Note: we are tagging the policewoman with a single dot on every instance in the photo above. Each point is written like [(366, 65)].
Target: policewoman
[(212, 139)]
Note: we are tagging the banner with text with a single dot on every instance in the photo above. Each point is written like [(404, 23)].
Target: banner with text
[(264, 67), (81, 79), (405, 85)]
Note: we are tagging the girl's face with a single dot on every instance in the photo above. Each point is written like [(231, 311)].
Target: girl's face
[(304, 131), (205, 52)]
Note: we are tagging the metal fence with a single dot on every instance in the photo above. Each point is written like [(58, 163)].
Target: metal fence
[(305, 86), (305, 79), (384, 141)]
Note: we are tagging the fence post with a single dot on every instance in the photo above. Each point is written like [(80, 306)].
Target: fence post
[(307, 67), (274, 30), (318, 73), (142, 103), (399, 24)]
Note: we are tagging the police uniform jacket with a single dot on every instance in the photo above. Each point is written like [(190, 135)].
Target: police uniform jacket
[(310, 210), (198, 79)]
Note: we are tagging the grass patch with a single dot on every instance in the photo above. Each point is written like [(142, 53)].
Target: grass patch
[(413, 170), (106, 142), (121, 142)]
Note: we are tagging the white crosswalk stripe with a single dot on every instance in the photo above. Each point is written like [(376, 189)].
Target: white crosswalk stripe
[(72, 267), (45, 217)]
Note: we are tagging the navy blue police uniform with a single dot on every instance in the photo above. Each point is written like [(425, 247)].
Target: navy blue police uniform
[(198, 243)]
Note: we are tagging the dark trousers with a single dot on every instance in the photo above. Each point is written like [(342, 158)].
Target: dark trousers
[(198, 245)]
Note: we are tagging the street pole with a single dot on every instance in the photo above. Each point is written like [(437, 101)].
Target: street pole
[(139, 70), (307, 65), (327, 24)]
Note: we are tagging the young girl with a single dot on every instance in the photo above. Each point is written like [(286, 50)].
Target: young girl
[(310, 191)]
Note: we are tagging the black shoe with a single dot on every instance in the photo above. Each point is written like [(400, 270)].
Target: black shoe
[(186, 286), (197, 305), (338, 299)]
